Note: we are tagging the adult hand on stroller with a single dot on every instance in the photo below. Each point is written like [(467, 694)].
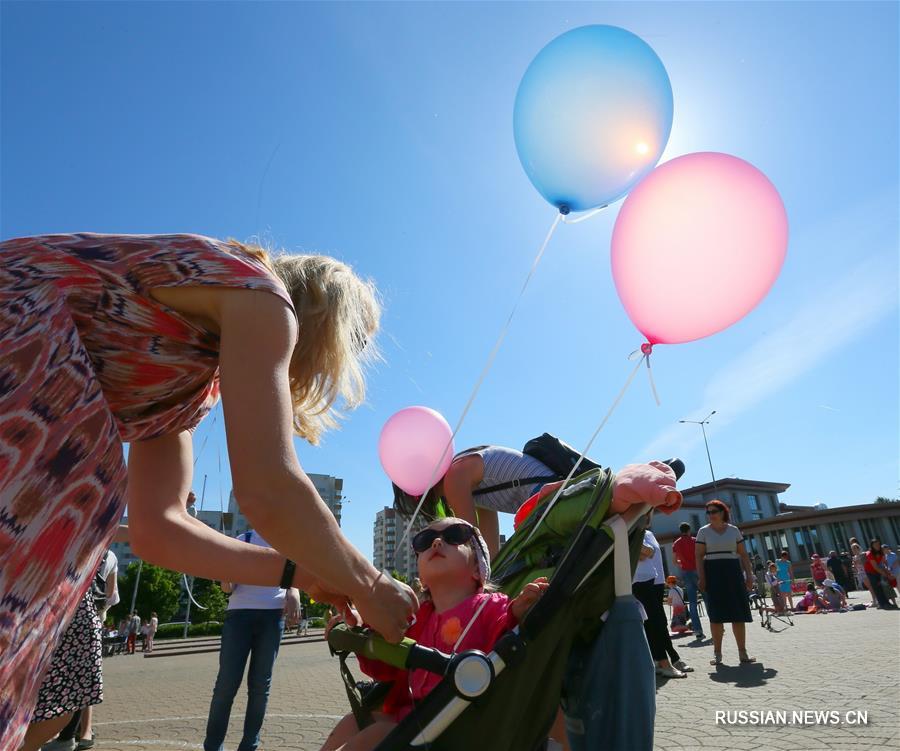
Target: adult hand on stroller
[(348, 616), (652, 483), (528, 597), (320, 594), (387, 606)]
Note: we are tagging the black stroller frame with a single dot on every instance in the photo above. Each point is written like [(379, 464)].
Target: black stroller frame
[(768, 614)]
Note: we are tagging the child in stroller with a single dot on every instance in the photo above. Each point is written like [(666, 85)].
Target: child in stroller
[(574, 547), (458, 613)]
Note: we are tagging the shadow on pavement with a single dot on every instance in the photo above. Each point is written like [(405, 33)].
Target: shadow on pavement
[(743, 676)]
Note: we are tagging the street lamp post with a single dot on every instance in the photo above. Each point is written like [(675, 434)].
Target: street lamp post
[(702, 423)]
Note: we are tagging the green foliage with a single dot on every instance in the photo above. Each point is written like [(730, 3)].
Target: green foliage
[(883, 499), (158, 591), (210, 595), (314, 609)]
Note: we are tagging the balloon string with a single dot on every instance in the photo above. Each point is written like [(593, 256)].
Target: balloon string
[(652, 384), (587, 215), (485, 370), (206, 437), (191, 594), (587, 448)]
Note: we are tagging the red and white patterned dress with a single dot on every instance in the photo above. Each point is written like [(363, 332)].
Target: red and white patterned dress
[(88, 360)]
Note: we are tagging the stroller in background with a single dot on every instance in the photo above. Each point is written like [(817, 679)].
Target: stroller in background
[(509, 698), (778, 613)]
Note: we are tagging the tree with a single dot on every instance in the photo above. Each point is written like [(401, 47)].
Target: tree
[(882, 499), (210, 595), (158, 591)]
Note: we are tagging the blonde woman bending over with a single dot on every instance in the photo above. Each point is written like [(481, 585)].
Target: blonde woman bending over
[(112, 339)]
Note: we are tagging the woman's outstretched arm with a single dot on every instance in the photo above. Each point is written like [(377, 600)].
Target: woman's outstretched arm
[(258, 332)]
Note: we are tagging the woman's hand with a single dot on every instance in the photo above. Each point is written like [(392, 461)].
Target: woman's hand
[(349, 616), (646, 552), (291, 608), (528, 597), (701, 584), (387, 606)]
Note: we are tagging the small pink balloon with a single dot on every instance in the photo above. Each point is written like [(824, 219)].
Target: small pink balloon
[(697, 245), (412, 443)]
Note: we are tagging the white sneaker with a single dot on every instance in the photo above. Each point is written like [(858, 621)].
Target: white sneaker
[(684, 667), (670, 672)]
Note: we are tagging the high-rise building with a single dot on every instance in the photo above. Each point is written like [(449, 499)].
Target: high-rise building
[(331, 490), (234, 522), (389, 553)]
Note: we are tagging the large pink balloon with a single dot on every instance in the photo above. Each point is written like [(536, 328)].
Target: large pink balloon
[(411, 444), (697, 245)]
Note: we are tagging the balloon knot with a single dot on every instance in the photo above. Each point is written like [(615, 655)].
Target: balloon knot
[(646, 348), (564, 210)]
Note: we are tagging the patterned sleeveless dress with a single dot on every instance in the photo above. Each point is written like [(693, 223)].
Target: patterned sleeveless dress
[(88, 360)]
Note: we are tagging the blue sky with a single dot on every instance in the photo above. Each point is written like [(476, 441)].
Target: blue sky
[(382, 134)]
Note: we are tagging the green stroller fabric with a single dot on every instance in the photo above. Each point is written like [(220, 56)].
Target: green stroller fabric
[(572, 547)]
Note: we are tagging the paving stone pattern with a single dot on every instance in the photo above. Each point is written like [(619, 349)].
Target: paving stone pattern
[(838, 662)]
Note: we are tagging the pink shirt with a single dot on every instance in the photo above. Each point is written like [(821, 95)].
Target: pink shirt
[(441, 631)]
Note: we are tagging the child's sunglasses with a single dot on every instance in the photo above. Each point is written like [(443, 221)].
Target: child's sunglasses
[(454, 534)]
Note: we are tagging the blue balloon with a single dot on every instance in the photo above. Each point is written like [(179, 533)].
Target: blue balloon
[(592, 117)]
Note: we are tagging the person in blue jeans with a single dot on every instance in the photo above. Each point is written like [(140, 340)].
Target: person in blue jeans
[(254, 622), (683, 551)]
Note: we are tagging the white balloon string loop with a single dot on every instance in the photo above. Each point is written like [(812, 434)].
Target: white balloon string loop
[(485, 370), (582, 217), (191, 594)]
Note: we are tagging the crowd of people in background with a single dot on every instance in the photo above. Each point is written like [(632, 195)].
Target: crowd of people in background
[(715, 568)]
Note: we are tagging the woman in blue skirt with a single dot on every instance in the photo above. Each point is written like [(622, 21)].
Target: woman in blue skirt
[(725, 578)]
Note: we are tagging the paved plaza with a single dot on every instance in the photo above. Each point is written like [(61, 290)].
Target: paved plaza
[(837, 662)]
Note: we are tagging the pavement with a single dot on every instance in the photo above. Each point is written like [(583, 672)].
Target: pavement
[(841, 663)]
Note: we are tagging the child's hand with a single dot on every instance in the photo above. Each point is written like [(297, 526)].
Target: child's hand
[(652, 483), (529, 596), (348, 616)]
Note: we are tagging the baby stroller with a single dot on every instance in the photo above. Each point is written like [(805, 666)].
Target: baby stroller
[(769, 614), (508, 699)]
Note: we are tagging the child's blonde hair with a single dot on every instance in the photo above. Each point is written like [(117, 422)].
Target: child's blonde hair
[(338, 314)]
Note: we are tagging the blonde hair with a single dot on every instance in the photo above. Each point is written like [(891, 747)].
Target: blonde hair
[(338, 314)]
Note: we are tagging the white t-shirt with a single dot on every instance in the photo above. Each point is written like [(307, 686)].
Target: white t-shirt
[(652, 567), (677, 597), (249, 597), (720, 544)]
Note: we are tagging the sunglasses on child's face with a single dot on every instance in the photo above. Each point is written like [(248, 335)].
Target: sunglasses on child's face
[(713, 511), (454, 534)]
